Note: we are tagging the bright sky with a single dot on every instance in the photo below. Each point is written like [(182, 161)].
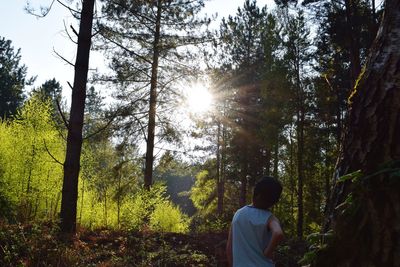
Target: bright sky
[(37, 37)]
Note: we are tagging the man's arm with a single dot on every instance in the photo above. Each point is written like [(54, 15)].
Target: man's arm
[(276, 237), (229, 248)]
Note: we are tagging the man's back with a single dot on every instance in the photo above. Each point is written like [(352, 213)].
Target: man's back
[(250, 236)]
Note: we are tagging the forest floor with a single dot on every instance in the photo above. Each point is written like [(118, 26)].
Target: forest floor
[(40, 245)]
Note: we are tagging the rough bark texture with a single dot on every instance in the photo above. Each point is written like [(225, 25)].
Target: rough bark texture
[(74, 138), (148, 173), (367, 232)]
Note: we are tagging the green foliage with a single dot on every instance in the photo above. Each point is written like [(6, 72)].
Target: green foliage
[(139, 210), (168, 218), (30, 145), (351, 176), (203, 193), (317, 241), (123, 29), (179, 179), (359, 216), (210, 224), (12, 79), (50, 89), (204, 197)]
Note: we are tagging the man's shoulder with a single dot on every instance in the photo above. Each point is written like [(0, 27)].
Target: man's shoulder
[(239, 212), (242, 209)]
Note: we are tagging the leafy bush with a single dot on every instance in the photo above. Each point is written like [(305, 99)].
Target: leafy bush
[(30, 176), (168, 218)]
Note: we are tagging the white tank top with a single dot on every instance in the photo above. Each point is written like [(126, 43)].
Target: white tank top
[(250, 236)]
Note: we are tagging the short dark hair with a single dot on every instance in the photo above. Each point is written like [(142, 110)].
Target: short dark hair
[(267, 192)]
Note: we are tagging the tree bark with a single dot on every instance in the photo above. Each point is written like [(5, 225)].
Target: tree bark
[(74, 138), (220, 192), (355, 65), (371, 141), (148, 173)]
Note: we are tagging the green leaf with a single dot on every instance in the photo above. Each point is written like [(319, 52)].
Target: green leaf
[(351, 176)]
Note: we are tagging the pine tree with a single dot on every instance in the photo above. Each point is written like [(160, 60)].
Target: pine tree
[(297, 55), (242, 49), (75, 124), (12, 79), (364, 208), (150, 43)]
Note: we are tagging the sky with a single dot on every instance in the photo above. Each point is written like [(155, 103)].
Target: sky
[(38, 38)]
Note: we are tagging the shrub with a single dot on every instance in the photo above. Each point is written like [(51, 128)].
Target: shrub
[(168, 218)]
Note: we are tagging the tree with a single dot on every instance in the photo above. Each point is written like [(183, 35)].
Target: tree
[(242, 51), (340, 53), (297, 55), (74, 138), (149, 41), (12, 79), (364, 207), (51, 89)]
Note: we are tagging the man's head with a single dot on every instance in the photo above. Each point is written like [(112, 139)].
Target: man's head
[(267, 192)]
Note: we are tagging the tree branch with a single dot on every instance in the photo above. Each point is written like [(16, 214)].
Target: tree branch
[(56, 160), (73, 30), (63, 58), (73, 12), (66, 124), (44, 11), (99, 130), (69, 36)]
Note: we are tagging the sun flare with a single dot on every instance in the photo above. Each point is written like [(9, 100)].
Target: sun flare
[(198, 98)]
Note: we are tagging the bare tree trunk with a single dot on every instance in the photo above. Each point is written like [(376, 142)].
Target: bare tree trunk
[(300, 172), (371, 235), (119, 199), (355, 65), (276, 157), (74, 138), (220, 189), (300, 149), (243, 187), (148, 173), (28, 203), (291, 174)]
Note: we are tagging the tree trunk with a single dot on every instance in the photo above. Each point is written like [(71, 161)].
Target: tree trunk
[(300, 149), (355, 65), (370, 235), (148, 173), (119, 198), (243, 186), (276, 158), (220, 192), (74, 138), (300, 172), (291, 175)]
